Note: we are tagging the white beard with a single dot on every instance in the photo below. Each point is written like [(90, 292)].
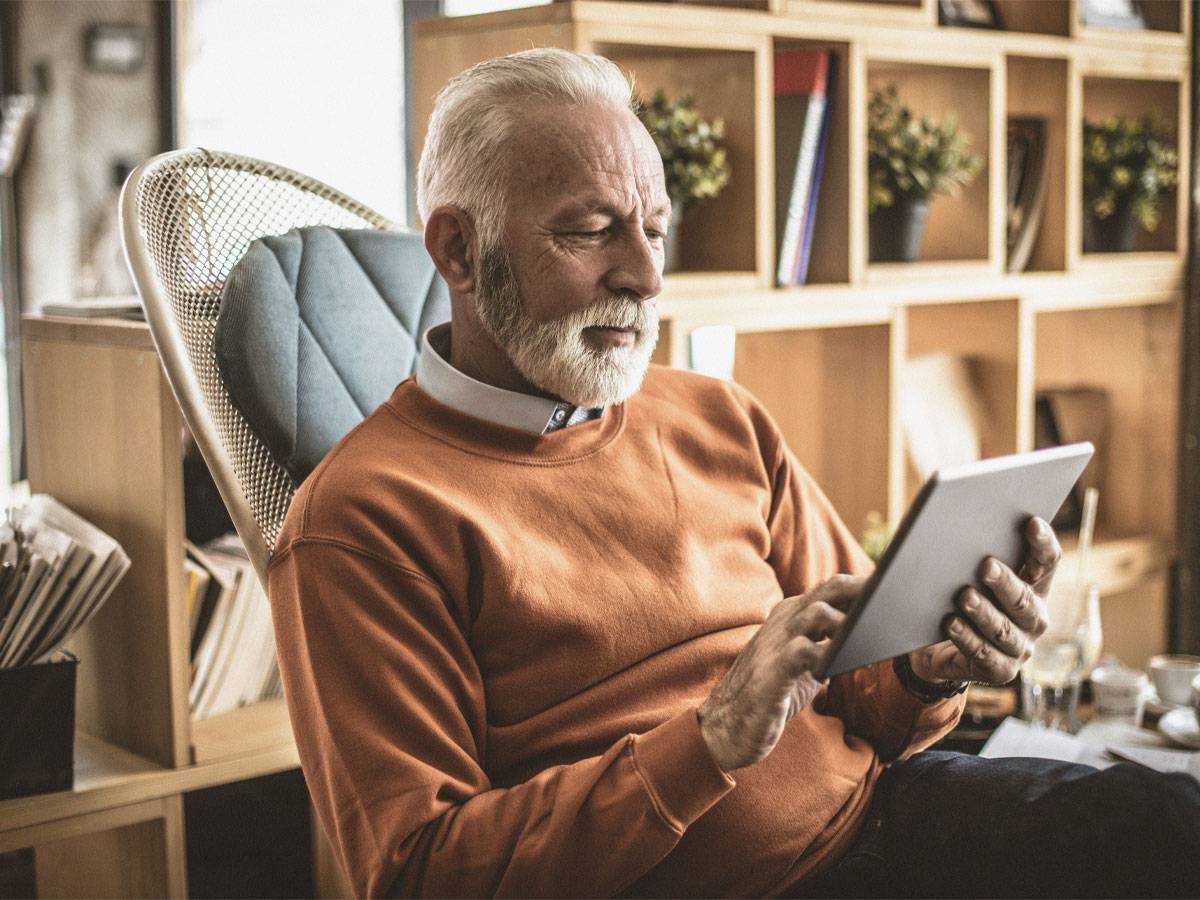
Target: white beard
[(554, 356)]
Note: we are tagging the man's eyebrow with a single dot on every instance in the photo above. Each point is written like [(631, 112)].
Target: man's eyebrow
[(587, 207)]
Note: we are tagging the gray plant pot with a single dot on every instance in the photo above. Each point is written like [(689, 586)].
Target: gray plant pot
[(1116, 234), (896, 231)]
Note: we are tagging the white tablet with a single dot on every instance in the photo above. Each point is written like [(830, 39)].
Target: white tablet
[(962, 515)]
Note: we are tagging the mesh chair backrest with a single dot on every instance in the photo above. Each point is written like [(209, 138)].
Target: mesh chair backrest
[(187, 218)]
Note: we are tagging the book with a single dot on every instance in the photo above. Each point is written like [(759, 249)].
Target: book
[(941, 411), (56, 570), (1065, 416), (214, 582), (800, 100), (1026, 188), (800, 275), (234, 660)]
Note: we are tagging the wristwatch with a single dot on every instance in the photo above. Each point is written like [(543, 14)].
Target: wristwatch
[(925, 691)]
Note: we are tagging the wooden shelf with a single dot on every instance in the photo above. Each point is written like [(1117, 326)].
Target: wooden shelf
[(1149, 280), (245, 732), (875, 24), (108, 776)]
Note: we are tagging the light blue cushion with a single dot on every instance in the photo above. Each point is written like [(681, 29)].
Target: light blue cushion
[(317, 327)]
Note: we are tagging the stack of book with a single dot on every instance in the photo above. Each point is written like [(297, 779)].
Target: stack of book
[(804, 90), (56, 571), (232, 640)]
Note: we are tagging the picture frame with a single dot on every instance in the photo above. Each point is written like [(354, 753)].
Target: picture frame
[(969, 14), (113, 47), (1126, 14)]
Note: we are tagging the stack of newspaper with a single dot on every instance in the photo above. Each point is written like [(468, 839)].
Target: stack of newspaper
[(232, 641), (56, 570)]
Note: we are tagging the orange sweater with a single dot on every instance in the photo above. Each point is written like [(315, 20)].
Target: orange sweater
[(493, 644)]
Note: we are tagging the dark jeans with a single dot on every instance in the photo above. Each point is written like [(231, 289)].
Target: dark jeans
[(954, 825)]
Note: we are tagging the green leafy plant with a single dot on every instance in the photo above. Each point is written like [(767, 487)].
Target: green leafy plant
[(913, 157), (695, 164), (1128, 161)]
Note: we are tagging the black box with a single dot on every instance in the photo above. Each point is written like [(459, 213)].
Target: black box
[(37, 727)]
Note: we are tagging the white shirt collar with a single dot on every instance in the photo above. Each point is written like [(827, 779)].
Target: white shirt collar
[(450, 387)]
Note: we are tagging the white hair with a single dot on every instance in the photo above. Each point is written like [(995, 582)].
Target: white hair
[(463, 159)]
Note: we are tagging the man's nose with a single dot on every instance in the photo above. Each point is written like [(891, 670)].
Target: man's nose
[(635, 268)]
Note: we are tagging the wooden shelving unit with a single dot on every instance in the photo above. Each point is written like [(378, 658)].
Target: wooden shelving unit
[(105, 437), (825, 358), (104, 432)]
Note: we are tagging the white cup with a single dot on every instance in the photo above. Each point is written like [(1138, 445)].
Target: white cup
[(1196, 696), (1172, 675), (1119, 693)]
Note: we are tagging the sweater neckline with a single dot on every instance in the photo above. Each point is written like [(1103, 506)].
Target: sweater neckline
[(483, 438)]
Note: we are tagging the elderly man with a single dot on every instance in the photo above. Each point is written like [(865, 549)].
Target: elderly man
[(547, 618)]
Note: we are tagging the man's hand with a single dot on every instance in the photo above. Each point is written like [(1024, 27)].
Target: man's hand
[(771, 679), (993, 636)]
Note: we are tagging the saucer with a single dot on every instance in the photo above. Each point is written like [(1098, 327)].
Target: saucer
[(1161, 707), (1180, 726)]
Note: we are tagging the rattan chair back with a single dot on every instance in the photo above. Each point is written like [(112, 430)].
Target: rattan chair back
[(187, 217)]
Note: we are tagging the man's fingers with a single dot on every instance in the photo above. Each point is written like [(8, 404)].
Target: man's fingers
[(994, 625), (1016, 597), (803, 655), (840, 591), (816, 621), (1042, 557), (984, 662)]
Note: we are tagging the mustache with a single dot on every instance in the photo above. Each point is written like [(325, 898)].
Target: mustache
[(616, 311)]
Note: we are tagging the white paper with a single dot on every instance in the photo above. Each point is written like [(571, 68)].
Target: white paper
[(1016, 737), (1161, 760)]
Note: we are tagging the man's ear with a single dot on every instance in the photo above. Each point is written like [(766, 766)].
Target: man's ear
[(450, 240)]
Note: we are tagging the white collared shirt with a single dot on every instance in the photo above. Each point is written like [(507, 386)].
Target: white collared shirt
[(450, 387)]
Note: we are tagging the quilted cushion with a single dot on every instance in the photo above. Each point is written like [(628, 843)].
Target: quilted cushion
[(317, 327)]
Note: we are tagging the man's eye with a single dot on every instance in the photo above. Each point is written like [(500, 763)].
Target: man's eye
[(595, 233), (656, 235)]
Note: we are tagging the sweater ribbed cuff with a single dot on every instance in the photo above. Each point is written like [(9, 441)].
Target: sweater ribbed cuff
[(679, 771)]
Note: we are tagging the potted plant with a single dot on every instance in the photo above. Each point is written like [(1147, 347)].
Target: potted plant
[(695, 164), (908, 161), (1129, 165)]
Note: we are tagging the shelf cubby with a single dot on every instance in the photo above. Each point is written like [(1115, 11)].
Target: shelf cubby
[(1165, 15), (833, 234), (715, 237), (1103, 97), (1051, 17), (962, 228), (828, 389), (1132, 353), (1038, 87), (1162, 17), (988, 333)]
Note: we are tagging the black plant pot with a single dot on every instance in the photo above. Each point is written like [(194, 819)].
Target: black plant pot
[(896, 230), (1116, 234)]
